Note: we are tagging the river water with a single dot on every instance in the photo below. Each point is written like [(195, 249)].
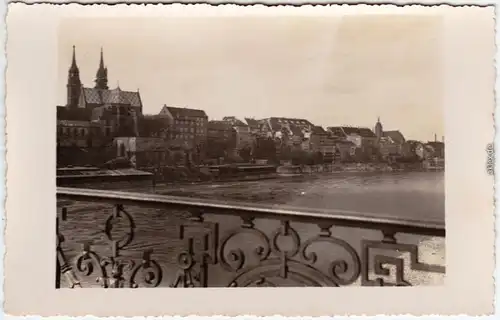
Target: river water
[(413, 195)]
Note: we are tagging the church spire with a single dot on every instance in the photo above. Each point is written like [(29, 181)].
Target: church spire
[(379, 130), (74, 67), (74, 84), (101, 63), (101, 78)]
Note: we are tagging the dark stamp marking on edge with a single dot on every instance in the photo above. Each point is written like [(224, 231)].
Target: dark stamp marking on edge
[(490, 160)]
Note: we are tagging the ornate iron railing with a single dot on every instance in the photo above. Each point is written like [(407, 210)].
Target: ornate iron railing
[(228, 244)]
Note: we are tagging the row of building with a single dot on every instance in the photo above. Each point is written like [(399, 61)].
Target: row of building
[(112, 122)]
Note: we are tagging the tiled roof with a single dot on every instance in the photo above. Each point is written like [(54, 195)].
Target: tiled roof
[(277, 123), (76, 114), (342, 131), (337, 131), (235, 121), (183, 112), (114, 96), (252, 122), (363, 132), (395, 135), (318, 130)]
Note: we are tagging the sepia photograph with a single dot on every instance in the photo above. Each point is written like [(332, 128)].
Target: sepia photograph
[(196, 152), (291, 160)]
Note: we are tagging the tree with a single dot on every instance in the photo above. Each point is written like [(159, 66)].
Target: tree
[(285, 153), (245, 153), (318, 158), (264, 148), (216, 148), (299, 157)]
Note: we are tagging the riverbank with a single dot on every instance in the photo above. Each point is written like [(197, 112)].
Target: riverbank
[(235, 173), (289, 170)]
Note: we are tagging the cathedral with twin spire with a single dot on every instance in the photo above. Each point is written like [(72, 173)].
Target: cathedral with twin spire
[(118, 108)]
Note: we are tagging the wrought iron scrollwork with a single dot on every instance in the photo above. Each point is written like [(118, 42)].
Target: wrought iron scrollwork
[(338, 269), (62, 265), (110, 270), (150, 271), (117, 270), (295, 265), (247, 255), (193, 262), (118, 215), (234, 259), (380, 262)]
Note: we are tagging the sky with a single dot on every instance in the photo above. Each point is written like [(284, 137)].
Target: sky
[(329, 70)]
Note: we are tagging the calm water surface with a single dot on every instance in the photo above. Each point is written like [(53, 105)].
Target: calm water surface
[(416, 195)]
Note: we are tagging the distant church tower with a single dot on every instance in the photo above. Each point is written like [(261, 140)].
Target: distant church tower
[(379, 131), (74, 85), (101, 77)]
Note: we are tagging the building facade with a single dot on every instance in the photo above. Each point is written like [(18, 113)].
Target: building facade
[(324, 142), (364, 139), (83, 134), (221, 139), (143, 152), (187, 126)]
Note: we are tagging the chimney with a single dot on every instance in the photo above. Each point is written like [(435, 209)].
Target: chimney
[(435, 137), (442, 139)]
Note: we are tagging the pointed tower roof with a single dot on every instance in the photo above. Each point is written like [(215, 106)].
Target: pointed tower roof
[(101, 78), (101, 63), (74, 66)]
